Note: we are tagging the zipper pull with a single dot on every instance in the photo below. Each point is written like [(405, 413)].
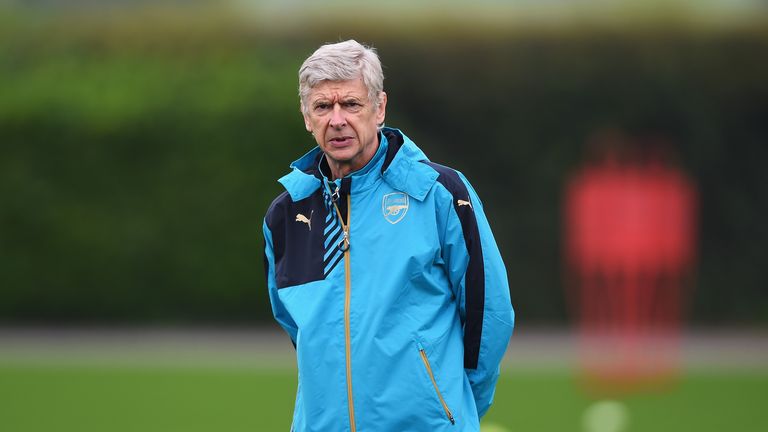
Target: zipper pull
[(344, 243), (335, 194), (333, 189)]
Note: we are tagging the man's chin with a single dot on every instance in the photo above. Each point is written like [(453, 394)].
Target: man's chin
[(339, 156)]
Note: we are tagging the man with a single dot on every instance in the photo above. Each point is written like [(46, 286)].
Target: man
[(382, 268)]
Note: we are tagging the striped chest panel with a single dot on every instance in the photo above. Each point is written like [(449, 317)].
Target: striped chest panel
[(332, 236)]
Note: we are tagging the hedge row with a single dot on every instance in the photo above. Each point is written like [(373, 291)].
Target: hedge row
[(137, 160)]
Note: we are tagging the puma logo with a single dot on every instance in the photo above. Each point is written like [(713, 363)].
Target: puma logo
[(394, 210), (464, 203), (301, 218)]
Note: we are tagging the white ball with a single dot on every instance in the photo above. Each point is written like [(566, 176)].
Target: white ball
[(492, 427), (606, 416)]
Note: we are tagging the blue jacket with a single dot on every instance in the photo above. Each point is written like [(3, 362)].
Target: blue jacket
[(403, 325)]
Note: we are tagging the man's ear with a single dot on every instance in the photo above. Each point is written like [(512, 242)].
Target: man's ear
[(382, 112)]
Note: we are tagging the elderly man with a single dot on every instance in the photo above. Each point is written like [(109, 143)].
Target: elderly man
[(381, 267)]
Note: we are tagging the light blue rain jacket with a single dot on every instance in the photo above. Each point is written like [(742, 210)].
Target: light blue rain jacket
[(405, 330)]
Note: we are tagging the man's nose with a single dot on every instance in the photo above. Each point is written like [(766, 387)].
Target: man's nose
[(337, 117)]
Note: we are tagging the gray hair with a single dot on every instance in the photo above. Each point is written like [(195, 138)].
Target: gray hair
[(342, 61)]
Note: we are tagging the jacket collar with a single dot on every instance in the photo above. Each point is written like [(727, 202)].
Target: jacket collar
[(397, 161), (403, 169), (304, 178)]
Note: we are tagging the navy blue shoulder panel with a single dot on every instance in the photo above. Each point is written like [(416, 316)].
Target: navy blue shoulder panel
[(474, 280), (297, 238), (395, 141)]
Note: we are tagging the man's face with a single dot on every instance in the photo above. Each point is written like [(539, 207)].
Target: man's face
[(345, 123)]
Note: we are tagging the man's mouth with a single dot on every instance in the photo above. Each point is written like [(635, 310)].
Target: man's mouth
[(341, 140)]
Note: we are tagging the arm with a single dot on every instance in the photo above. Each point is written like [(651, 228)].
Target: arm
[(479, 280), (278, 310)]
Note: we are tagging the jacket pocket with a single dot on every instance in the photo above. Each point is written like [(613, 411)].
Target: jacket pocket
[(431, 374)]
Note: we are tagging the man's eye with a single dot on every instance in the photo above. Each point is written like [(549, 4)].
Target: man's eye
[(352, 105), (322, 106)]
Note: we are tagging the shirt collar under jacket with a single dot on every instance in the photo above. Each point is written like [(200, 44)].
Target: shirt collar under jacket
[(397, 155)]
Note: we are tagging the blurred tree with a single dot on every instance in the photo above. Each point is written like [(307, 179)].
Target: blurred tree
[(139, 152)]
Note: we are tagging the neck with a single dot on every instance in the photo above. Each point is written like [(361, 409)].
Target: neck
[(341, 169)]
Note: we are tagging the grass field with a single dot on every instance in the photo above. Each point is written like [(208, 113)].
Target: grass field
[(167, 381), (71, 398)]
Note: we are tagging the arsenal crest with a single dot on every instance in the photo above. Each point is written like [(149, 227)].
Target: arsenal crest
[(394, 206)]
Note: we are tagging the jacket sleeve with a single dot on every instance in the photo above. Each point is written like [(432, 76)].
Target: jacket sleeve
[(278, 309), (479, 281)]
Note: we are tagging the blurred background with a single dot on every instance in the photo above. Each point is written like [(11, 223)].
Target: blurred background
[(140, 143)]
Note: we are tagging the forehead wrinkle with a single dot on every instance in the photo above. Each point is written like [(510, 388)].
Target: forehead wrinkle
[(335, 96), (332, 90)]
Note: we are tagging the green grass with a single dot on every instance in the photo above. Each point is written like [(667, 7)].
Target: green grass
[(83, 399), (144, 399)]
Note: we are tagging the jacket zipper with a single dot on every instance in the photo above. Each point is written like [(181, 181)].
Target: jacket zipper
[(434, 383), (344, 247), (347, 301)]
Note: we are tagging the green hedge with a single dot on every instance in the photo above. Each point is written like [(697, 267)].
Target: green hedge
[(138, 158)]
